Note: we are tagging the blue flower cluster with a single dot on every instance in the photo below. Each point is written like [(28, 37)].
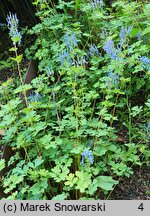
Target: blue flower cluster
[(80, 61), (138, 36), (110, 49), (49, 71), (97, 4), (109, 45), (148, 128), (148, 131), (65, 57), (123, 34), (103, 34), (112, 79), (35, 97), (87, 154), (93, 50), (12, 24), (71, 43), (145, 62)]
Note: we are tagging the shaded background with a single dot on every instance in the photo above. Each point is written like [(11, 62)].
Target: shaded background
[(24, 9)]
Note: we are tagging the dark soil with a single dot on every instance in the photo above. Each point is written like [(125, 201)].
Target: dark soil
[(135, 187)]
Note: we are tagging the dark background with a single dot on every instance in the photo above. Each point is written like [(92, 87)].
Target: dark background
[(24, 9)]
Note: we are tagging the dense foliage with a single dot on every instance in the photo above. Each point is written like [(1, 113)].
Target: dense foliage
[(93, 84)]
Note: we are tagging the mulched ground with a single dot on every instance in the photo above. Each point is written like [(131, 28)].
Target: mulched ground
[(133, 188)]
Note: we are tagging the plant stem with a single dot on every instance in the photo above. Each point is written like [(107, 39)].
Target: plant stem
[(77, 4), (130, 120), (19, 70)]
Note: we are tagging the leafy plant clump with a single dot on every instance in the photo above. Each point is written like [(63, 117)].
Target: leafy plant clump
[(94, 68)]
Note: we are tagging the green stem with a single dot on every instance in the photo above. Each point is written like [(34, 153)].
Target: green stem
[(27, 154), (130, 120), (114, 109), (77, 4), (19, 70)]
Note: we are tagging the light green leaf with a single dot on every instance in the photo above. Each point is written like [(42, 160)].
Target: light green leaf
[(62, 196), (2, 164), (106, 182)]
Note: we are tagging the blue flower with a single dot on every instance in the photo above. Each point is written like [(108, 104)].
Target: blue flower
[(145, 62), (112, 79), (97, 4), (103, 34), (71, 41), (12, 24), (110, 49), (93, 50), (128, 31), (49, 71), (87, 154), (35, 97), (138, 36), (148, 132), (148, 128), (74, 40), (61, 59), (80, 61), (67, 39), (65, 57), (123, 34)]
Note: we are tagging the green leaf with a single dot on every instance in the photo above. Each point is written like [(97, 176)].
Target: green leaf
[(13, 49), (18, 59), (39, 187), (106, 182), (2, 164), (22, 88), (100, 150), (59, 26), (83, 182), (62, 196), (71, 180), (93, 187), (38, 161), (148, 192), (46, 142), (77, 150), (37, 127), (134, 32), (136, 110), (16, 39), (11, 182)]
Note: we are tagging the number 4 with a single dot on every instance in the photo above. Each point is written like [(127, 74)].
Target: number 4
[(141, 207)]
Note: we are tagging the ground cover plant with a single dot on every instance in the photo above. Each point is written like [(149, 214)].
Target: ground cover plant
[(93, 83)]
